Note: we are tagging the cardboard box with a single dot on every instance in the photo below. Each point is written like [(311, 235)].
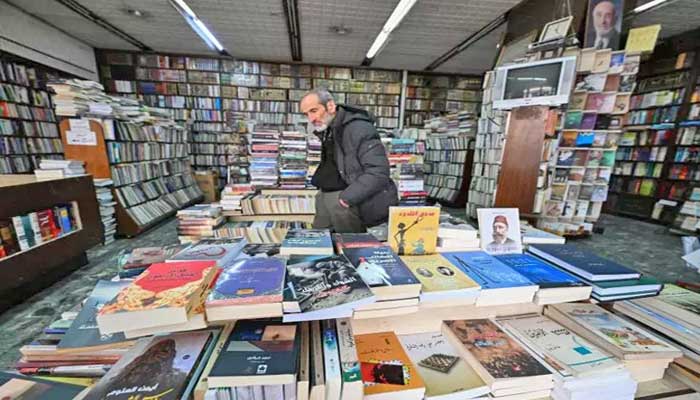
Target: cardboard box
[(208, 182)]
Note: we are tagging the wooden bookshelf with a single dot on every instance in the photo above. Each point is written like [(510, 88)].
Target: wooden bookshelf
[(170, 188), (431, 95), (27, 272)]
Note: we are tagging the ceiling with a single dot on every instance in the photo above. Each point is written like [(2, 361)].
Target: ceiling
[(257, 30)]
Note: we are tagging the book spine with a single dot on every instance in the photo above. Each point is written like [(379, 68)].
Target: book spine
[(21, 234), (349, 364), (28, 231), (317, 375), (34, 220)]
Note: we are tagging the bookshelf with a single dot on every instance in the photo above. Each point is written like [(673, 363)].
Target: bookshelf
[(447, 167), (28, 129), (148, 164), (429, 95)]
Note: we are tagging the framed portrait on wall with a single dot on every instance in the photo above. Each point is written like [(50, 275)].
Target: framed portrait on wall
[(604, 24)]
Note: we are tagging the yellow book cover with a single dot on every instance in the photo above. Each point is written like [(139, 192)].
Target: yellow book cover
[(384, 365), (437, 274), (413, 230)]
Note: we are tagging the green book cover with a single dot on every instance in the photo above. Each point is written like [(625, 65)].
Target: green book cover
[(645, 280), (573, 120), (28, 231)]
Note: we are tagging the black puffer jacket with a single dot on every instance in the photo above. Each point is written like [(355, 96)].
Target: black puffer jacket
[(363, 165)]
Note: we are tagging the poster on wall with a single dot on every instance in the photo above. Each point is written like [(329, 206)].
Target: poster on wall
[(604, 24)]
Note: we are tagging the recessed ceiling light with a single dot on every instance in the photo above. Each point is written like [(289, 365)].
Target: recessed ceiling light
[(340, 30), (136, 13)]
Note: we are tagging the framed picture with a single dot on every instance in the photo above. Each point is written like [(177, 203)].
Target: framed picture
[(556, 29), (604, 24), (515, 48), (499, 230)]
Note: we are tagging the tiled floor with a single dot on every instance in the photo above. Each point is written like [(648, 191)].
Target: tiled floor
[(646, 247)]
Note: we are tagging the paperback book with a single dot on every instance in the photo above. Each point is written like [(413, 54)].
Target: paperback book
[(583, 263), (307, 242), (384, 272), (221, 251), (413, 230), (440, 279)]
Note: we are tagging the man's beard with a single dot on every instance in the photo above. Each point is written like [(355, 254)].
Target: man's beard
[(499, 238), (327, 121)]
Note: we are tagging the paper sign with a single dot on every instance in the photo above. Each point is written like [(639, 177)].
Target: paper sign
[(81, 137), (79, 124), (642, 39)]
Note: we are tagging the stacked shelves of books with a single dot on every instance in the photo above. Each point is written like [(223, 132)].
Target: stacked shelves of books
[(406, 162), (655, 159), (448, 157), (293, 169), (488, 151), (146, 157), (428, 96), (28, 130), (581, 157)]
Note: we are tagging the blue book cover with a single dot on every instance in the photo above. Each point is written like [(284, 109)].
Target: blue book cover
[(585, 139), (543, 274), (583, 263), (247, 281), (307, 241), (486, 270), (380, 266)]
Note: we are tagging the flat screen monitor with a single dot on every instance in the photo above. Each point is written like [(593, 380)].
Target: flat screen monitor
[(547, 82)]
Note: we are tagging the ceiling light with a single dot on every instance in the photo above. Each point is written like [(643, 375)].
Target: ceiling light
[(197, 25), (340, 30), (134, 12), (394, 20), (647, 6)]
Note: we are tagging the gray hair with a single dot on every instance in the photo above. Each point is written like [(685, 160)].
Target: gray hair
[(324, 96)]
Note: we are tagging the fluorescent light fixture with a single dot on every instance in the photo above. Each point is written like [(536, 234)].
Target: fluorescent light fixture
[(648, 5), (197, 25), (400, 11)]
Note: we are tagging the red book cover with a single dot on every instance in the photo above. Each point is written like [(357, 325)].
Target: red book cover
[(4, 111), (164, 285), (47, 225)]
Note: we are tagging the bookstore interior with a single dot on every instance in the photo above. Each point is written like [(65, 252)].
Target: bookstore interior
[(328, 200)]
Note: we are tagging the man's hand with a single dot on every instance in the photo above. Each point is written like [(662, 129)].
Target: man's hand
[(343, 203)]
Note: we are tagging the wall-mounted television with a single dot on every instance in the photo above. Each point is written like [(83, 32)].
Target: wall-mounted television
[(546, 82)]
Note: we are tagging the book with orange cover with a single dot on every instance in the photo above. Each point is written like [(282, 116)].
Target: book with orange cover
[(164, 294), (386, 369)]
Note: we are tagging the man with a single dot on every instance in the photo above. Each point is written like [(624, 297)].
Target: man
[(605, 35), (355, 190), (501, 242)]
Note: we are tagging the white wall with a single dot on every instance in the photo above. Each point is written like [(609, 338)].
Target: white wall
[(28, 37)]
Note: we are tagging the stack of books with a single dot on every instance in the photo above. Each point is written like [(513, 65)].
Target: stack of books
[(532, 235), (232, 195), (133, 262), (58, 169), (103, 190), (197, 222), (259, 231), (268, 204), (409, 181), (313, 157), (264, 151), (456, 235), (644, 354), (293, 167), (76, 97), (610, 280)]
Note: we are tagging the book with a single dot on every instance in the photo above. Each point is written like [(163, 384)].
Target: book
[(83, 332), (221, 251), (325, 287), (532, 235), (349, 363), (350, 240), (145, 256), (303, 373), (547, 277), (620, 337), (257, 352), (499, 230), (440, 279), (677, 301), (164, 294), (22, 387), (318, 383), (307, 242), (571, 354), (384, 272), (445, 373), (500, 284), (247, 289), (583, 263), (498, 358), (452, 228), (413, 230), (387, 371), (331, 360), (645, 286), (156, 367)]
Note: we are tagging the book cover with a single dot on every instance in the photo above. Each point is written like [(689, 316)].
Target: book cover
[(679, 297), (47, 225), (307, 241), (585, 139), (543, 274), (500, 355), (28, 229), (331, 359), (436, 274), (645, 283), (22, 387), (145, 256), (162, 285), (351, 240), (441, 367), (155, 368), (260, 250), (563, 350), (572, 119), (83, 332), (499, 230), (568, 139), (413, 230), (588, 121), (384, 365), (318, 283), (486, 270), (625, 336), (255, 280), (258, 348), (349, 364), (582, 263), (380, 266), (222, 251)]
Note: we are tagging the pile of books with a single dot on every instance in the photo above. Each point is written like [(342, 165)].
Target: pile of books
[(231, 197), (455, 234), (293, 166), (313, 157), (264, 151), (409, 181), (76, 97), (268, 204), (197, 222), (103, 190), (260, 231), (58, 169)]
